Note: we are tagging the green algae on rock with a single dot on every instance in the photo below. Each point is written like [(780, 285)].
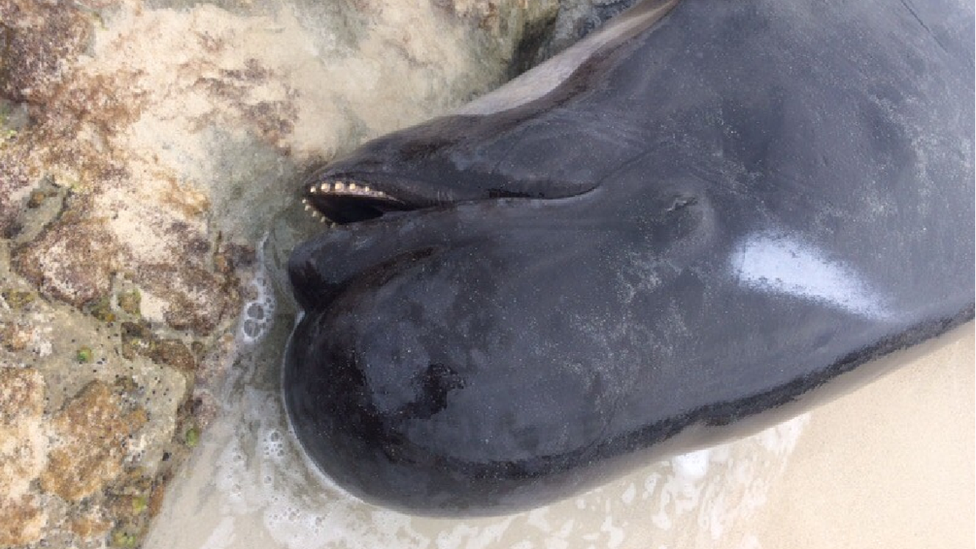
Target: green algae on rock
[(84, 355), (129, 301), (17, 299)]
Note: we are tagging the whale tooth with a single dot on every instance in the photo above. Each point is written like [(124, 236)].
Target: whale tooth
[(347, 187)]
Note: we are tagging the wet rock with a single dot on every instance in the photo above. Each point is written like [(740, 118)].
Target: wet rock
[(92, 429), (195, 297), (39, 41), (23, 521), (144, 152), (15, 336), (129, 301), (37, 198), (17, 299), (90, 525), (23, 451), (101, 309), (138, 338), (23, 440), (83, 430), (16, 179), (112, 218), (71, 261), (174, 353), (39, 38)]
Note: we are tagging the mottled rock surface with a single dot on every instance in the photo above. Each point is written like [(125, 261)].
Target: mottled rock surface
[(23, 452), (93, 433), (145, 148)]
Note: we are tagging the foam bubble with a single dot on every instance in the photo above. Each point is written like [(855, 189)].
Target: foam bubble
[(615, 534), (257, 315), (693, 465), (272, 445), (628, 496)]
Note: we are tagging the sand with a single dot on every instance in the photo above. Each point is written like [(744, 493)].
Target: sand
[(890, 465)]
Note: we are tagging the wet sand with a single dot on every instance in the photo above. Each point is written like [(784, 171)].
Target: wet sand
[(890, 465)]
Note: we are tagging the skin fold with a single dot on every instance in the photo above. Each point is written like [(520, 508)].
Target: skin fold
[(715, 220)]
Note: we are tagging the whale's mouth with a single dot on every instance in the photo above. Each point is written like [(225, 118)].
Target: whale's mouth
[(346, 199), (342, 201)]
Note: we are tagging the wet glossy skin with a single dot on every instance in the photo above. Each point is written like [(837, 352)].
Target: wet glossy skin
[(712, 221)]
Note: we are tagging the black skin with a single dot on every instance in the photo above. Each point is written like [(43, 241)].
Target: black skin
[(553, 297)]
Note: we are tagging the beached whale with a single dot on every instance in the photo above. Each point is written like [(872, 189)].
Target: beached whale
[(699, 221)]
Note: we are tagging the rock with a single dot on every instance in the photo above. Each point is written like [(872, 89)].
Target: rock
[(144, 152), (17, 299), (39, 37), (129, 301), (72, 262), (77, 420), (23, 439), (14, 336), (93, 429), (138, 338), (23, 521), (39, 40), (90, 525), (23, 452)]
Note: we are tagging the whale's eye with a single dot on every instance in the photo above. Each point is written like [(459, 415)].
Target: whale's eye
[(347, 202)]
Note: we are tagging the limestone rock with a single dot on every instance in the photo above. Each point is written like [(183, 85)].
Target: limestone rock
[(93, 429), (145, 148), (72, 262), (39, 41), (23, 521), (23, 441), (23, 451)]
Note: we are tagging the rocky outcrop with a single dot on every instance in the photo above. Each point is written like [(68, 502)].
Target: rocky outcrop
[(144, 150)]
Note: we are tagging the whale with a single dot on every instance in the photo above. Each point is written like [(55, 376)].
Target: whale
[(703, 219)]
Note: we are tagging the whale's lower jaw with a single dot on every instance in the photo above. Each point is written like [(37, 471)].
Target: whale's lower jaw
[(364, 454)]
